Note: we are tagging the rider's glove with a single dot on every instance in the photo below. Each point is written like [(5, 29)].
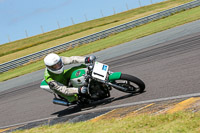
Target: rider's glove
[(90, 59)]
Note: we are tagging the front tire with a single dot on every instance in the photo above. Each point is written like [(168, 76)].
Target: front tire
[(130, 83)]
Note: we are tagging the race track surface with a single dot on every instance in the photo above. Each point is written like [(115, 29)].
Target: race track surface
[(168, 69)]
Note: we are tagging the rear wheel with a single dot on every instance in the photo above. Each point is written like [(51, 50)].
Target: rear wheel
[(130, 84)]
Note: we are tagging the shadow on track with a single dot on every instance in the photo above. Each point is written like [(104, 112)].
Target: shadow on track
[(78, 108)]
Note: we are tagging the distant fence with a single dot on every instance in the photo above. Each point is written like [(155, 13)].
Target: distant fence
[(96, 36)]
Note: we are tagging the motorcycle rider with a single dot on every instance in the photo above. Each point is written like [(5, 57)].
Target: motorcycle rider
[(58, 79)]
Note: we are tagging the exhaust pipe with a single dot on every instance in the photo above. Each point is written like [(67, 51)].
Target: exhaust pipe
[(60, 102)]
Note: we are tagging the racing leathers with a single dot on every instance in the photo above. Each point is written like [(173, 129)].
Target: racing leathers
[(59, 82)]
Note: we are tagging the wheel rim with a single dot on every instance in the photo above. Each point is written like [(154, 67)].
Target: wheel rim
[(130, 86)]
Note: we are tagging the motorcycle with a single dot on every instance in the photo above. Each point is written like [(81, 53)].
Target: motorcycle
[(99, 80)]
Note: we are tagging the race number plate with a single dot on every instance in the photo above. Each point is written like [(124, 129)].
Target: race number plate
[(100, 70)]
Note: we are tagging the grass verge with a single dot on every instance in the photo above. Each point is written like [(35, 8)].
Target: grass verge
[(138, 32), (180, 122), (40, 42)]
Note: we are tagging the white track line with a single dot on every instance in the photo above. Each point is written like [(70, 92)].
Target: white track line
[(147, 101), (111, 107)]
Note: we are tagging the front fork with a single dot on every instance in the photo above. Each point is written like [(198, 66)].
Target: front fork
[(114, 85)]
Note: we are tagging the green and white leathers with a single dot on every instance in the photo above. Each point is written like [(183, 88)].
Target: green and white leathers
[(60, 81), (85, 83)]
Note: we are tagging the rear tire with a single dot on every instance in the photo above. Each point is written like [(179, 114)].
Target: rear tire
[(131, 83)]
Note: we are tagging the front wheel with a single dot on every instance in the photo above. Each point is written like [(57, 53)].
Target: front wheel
[(130, 84)]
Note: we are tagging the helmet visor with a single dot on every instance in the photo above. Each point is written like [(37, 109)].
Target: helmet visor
[(57, 66)]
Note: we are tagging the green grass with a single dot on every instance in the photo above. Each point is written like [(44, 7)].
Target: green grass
[(144, 30), (180, 122), (40, 42)]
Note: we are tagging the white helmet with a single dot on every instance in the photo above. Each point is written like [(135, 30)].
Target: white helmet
[(54, 63)]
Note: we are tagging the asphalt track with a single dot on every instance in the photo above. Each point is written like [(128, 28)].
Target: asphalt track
[(168, 69)]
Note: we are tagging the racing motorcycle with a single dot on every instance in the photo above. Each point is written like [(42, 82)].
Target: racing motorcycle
[(99, 80)]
